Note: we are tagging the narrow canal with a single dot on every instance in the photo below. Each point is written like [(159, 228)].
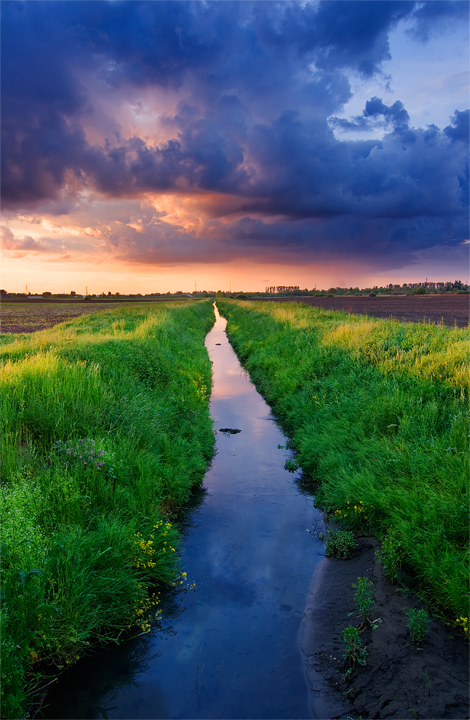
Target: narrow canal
[(229, 649)]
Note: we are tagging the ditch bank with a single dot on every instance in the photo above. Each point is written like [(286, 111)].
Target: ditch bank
[(400, 680)]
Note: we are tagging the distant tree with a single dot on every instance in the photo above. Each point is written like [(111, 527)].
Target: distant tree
[(3, 292), (46, 294)]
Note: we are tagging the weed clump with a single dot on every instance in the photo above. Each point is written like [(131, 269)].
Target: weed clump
[(354, 651), (418, 622), (390, 555), (341, 544), (462, 622), (363, 598)]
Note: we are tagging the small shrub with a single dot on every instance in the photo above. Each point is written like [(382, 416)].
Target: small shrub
[(363, 598), (341, 544), (418, 622), (353, 646)]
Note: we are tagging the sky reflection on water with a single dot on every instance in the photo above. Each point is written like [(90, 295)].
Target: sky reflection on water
[(230, 649)]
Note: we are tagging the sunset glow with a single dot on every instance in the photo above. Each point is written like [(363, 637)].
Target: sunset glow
[(155, 146)]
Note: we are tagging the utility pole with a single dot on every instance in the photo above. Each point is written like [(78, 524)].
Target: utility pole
[(86, 290)]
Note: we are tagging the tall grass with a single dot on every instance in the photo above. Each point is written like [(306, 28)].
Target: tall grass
[(377, 412), (105, 429)]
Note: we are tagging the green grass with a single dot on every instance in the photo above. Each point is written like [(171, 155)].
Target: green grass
[(105, 429), (377, 412)]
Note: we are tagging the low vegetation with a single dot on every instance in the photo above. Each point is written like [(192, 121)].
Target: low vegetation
[(363, 599), (354, 651), (377, 412), (105, 430), (340, 544), (418, 622)]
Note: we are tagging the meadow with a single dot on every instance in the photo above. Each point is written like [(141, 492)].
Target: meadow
[(377, 414), (105, 430)]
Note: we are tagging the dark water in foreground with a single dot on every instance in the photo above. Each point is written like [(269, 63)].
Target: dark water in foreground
[(229, 649)]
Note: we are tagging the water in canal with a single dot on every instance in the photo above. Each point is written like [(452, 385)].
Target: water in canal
[(229, 648)]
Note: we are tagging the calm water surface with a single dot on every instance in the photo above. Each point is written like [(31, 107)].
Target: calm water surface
[(229, 649)]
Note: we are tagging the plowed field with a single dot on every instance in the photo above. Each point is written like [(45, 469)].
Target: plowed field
[(448, 309)]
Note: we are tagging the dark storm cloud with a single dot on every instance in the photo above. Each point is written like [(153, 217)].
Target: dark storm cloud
[(258, 84), (438, 16), (460, 128), (375, 114)]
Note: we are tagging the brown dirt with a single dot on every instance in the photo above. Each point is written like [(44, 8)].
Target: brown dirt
[(449, 309), (400, 680), (24, 318)]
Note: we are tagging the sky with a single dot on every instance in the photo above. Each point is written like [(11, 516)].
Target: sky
[(161, 146)]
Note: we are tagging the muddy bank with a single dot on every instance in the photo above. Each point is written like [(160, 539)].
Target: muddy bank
[(400, 680)]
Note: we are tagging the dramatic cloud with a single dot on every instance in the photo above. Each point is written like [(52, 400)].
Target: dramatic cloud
[(166, 132)]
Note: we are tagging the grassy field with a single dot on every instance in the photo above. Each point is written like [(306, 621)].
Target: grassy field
[(377, 412), (105, 430)]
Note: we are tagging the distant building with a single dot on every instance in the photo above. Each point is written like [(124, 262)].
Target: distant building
[(282, 288)]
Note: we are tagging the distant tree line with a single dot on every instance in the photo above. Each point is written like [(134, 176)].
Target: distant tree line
[(424, 288)]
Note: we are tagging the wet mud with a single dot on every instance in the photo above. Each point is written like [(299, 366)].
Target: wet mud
[(400, 680)]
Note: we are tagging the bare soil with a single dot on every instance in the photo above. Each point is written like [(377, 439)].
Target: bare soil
[(28, 318), (450, 310), (400, 680)]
